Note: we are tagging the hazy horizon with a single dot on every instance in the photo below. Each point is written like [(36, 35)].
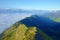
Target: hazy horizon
[(31, 4)]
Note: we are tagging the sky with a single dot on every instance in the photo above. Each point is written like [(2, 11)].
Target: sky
[(8, 19), (31, 4)]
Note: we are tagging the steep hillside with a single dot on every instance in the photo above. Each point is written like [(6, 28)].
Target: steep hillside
[(50, 27), (23, 32), (33, 28), (20, 32)]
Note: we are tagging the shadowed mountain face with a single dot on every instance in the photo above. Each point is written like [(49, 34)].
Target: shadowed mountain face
[(40, 27), (47, 29), (50, 27)]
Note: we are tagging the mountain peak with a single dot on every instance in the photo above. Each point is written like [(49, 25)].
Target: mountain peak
[(31, 27)]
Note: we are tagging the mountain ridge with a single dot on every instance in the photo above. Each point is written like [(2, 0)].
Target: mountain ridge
[(46, 26)]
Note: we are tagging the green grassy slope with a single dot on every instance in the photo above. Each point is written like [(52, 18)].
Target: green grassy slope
[(19, 33), (22, 32)]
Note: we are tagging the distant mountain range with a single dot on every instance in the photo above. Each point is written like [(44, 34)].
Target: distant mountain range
[(26, 11), (47, 29), (54, 15), (37, 12)]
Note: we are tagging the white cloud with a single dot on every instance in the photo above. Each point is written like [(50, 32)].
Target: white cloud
[(6, 20)]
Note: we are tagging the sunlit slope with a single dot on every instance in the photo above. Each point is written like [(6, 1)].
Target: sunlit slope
[(22, 32), (19, 33)]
